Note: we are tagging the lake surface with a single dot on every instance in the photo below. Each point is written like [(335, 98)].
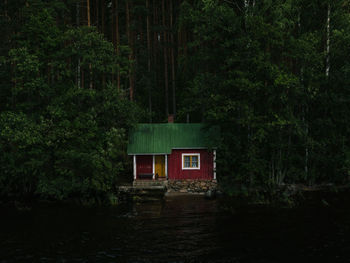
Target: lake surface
[(177, 229)]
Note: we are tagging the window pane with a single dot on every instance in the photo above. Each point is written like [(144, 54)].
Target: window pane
[(194, 161), (187, 161)]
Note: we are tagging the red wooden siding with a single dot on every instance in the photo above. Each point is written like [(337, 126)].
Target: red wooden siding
[(175, 171), (144, 164)]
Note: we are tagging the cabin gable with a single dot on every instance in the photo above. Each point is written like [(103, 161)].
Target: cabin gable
[(174, 151)]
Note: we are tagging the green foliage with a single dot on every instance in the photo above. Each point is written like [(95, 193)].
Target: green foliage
[(258, 71), (22, 154), (255, 68), (86, 44), (58, 140)]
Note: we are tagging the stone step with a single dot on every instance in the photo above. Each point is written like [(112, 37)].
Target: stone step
[(149, 185), (139, 183), (154, 187), (149, 182)]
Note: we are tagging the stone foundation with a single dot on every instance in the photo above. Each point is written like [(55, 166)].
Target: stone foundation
[(192, 186)]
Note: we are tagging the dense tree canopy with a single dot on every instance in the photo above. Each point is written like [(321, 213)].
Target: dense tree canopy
[(269, 73), (75, 75)]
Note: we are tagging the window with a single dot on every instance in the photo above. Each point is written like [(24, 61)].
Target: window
[(190, 161)]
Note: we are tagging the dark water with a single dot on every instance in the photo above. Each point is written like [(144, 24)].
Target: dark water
[(181, 229)]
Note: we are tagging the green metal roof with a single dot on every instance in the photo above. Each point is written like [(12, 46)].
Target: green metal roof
[(161, 138)]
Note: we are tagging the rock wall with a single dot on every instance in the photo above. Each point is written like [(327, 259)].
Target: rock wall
[(191, 186)]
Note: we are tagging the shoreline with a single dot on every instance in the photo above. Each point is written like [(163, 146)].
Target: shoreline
[(292, 195)]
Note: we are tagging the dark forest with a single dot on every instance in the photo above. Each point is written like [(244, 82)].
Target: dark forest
[(76, 76)]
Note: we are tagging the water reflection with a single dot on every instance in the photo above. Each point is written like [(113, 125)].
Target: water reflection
[(179, 229)]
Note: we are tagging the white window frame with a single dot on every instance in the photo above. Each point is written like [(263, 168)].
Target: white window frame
[(191, 154)]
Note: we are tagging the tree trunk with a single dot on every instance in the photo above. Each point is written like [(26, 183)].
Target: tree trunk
[(102, 26), (155, 33), (328, 39), (172, 57), (113, 22), (78, 24), (165, 61), (117, 35), (103, 12), (112, 27), (131, 81), (149, 63), (88, 12), (97, 10), (89, 24), (155, 47)]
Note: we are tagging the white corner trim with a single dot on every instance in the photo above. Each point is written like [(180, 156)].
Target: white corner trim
[(153, 166), (191, 154), (214, 164), (134, 166), (166, 166)]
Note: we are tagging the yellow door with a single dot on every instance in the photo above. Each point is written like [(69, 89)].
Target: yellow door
[(159, 166)]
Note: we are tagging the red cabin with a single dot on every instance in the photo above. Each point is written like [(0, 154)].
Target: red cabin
[(173, 151)]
